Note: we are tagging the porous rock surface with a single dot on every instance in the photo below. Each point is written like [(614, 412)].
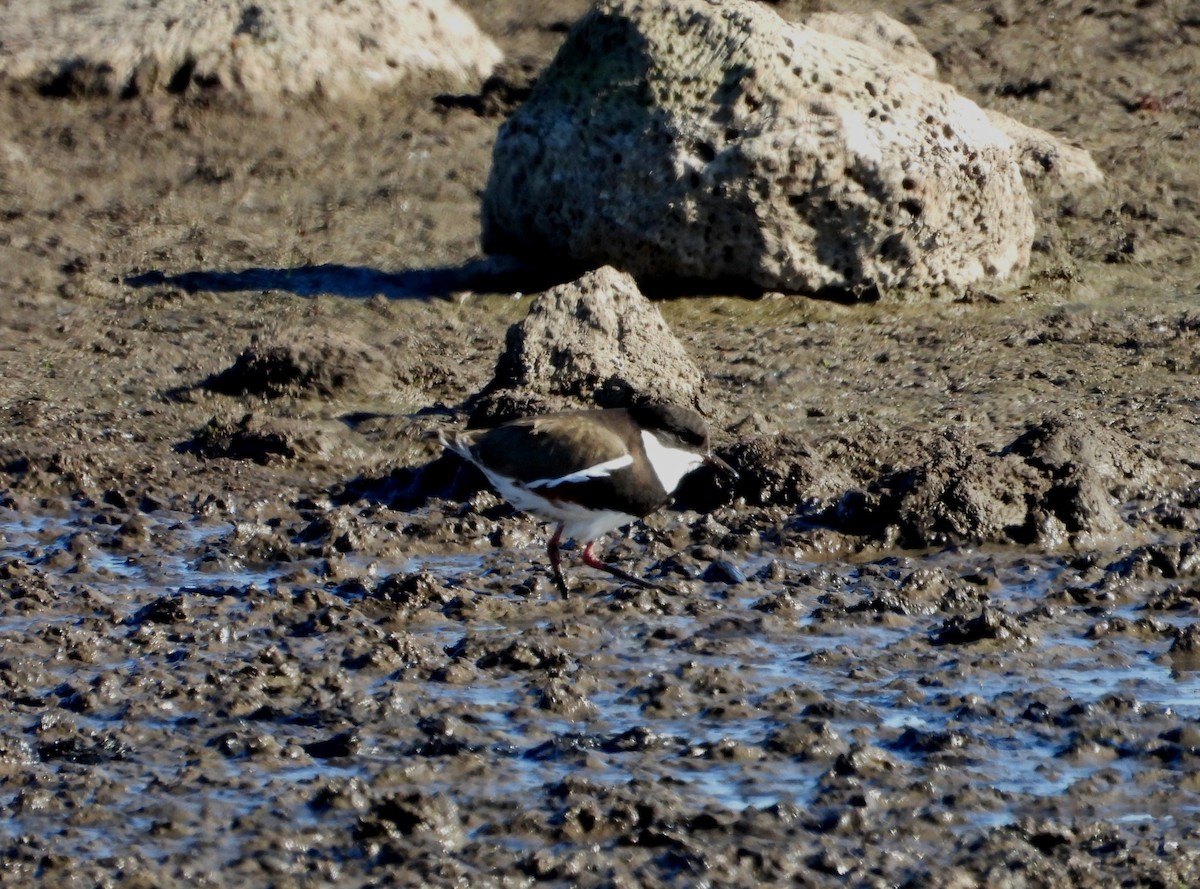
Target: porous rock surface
[(262, 50), (1044, 159), (593, 341), (893, 41), (691, 139)]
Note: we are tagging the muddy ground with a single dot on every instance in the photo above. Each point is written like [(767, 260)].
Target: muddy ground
[(942, 633)]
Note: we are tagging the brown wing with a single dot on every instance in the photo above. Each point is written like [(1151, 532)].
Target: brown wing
[(550, 446)]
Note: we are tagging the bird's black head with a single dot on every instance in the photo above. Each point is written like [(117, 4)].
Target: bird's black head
[(679, 423)]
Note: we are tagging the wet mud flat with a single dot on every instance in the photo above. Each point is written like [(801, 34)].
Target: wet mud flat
[(247, 661), (942, 633), (182, 710)]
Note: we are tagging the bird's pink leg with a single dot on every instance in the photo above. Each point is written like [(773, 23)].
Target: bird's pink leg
[(590, 558)]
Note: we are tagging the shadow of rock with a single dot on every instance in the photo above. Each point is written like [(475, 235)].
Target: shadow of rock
[(493, 274)]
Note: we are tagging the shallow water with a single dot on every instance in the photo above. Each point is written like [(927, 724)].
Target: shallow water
[(696, 694)]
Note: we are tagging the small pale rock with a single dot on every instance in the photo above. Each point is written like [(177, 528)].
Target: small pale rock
[(595, 341)]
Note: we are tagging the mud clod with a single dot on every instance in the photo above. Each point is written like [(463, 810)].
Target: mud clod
[(246, 439), (319, 364), (991, 624)]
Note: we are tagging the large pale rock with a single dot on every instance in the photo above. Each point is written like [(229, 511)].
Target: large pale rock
[(891, 40), (1045, 160), (596, 341), (715, 141), (1043, 157), (263, 50)]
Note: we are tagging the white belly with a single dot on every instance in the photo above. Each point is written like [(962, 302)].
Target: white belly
[(578, 523)]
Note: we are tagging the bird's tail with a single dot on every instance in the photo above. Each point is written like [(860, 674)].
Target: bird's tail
[(457, 442)]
